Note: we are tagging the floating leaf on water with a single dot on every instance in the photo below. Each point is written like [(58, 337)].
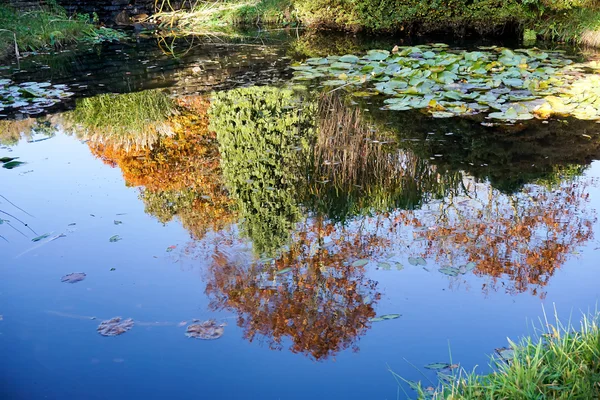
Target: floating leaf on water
[(348, 58), (41, 237), (470, 266), (421, 261), (114, 238), (505, 353), (207, 330), (390, 316), (171, 248), (377, 55), (360, 263), (7, 159), (113, 269), (13, 164), (437, 366), (115, 326), (450, 271), (399, 266), (116, 222), (384, 265), (283, 271), (334, 82), (376, 319), (73, 277)]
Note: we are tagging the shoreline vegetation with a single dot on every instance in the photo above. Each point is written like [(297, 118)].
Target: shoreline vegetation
[(48, 27), (557, 362), (573, 21)]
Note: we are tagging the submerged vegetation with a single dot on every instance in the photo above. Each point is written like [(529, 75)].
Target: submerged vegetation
[(561, 362), (48, 27)]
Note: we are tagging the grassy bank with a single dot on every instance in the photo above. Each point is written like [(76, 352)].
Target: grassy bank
[(574, 21), (561, 363), (46, 28)]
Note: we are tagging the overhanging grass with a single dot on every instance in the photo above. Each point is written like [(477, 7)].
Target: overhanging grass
[(227, 13), (46, 28), (578, 25), (559, 362)]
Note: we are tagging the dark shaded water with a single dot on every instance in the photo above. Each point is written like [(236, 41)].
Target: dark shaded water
[(296, 218)]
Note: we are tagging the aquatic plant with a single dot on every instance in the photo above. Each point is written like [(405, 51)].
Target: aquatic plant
[(115, 326), (503, 84), (30, 98), (206, 330), (73, 277)]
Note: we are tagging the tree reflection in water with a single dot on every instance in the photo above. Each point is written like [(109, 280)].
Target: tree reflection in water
[(518, 240), (320, 187), (311, 294)]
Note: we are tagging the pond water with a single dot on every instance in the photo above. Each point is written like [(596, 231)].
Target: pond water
[(328, 239)]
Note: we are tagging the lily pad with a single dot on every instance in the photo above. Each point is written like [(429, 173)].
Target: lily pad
[(450, 271), (73, 277), (207, 330), (505, 353), (114, 238), (360, 263), (13, 164), (437, 366), (115, 326)]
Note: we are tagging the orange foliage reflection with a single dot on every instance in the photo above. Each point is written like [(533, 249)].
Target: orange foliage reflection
[(311, 294), (519, 240), (180, 173)]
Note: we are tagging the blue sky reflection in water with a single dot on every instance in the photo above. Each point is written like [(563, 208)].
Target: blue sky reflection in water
[(48, 338)]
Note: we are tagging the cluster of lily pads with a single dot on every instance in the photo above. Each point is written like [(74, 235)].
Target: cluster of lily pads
[(507, 85), (30, 97)]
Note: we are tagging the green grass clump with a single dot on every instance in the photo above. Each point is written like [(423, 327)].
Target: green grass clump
[(46, 28), (130, 118), (560, 363), (207, 14)]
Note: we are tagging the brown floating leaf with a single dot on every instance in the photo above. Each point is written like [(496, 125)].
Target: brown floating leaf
[(206, 330), (73, 277), (115, 326)]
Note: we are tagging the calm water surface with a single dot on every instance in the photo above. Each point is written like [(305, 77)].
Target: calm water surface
[(297, 219)]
